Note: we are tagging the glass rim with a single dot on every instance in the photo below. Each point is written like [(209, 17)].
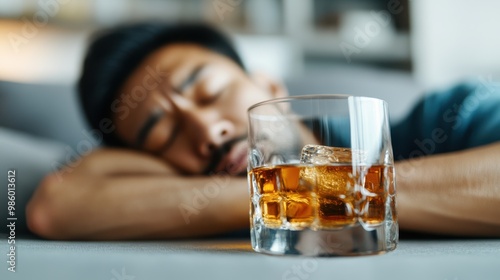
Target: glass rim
[(311, 96)]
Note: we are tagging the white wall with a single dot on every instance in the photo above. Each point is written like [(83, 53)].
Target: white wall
[(455, 39), (29, 54), (54, 56)]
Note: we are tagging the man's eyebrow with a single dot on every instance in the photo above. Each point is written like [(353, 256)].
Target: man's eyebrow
[(147, 126), (191, 78)]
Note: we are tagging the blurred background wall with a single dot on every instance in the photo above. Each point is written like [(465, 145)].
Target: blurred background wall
[(37, 33), (392, 49)]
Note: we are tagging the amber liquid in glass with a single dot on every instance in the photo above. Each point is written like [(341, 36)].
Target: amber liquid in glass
[(323, 197)]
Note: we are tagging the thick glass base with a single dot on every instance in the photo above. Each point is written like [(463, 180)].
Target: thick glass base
[(353, 240)]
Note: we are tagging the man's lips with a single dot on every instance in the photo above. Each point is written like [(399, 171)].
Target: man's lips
[(234, 162)]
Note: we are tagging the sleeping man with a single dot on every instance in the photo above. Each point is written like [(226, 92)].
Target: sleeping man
[(170, 102)]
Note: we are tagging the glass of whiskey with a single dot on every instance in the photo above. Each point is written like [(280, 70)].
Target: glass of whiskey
[(321, 176)]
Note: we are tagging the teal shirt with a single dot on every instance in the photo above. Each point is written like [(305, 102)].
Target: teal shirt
[(462, 117), (465, 116)]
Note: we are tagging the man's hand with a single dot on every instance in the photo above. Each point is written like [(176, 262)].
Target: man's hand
[(120, 194)]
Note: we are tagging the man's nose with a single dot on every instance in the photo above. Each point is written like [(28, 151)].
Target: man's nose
[(208, 129)]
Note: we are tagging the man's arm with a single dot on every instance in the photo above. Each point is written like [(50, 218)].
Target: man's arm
[(126, 195), (456, 193)]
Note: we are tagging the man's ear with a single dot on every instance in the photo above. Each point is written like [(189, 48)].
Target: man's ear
[(269, 84)]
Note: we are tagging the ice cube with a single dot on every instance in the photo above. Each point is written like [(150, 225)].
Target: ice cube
[(334, 183), (324, 155)]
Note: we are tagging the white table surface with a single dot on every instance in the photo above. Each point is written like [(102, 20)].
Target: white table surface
[(442, 259)]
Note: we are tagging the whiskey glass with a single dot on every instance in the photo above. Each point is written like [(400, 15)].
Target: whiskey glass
[(321, 176)]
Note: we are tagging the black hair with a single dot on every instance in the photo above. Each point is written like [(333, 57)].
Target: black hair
[(115, 54)]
